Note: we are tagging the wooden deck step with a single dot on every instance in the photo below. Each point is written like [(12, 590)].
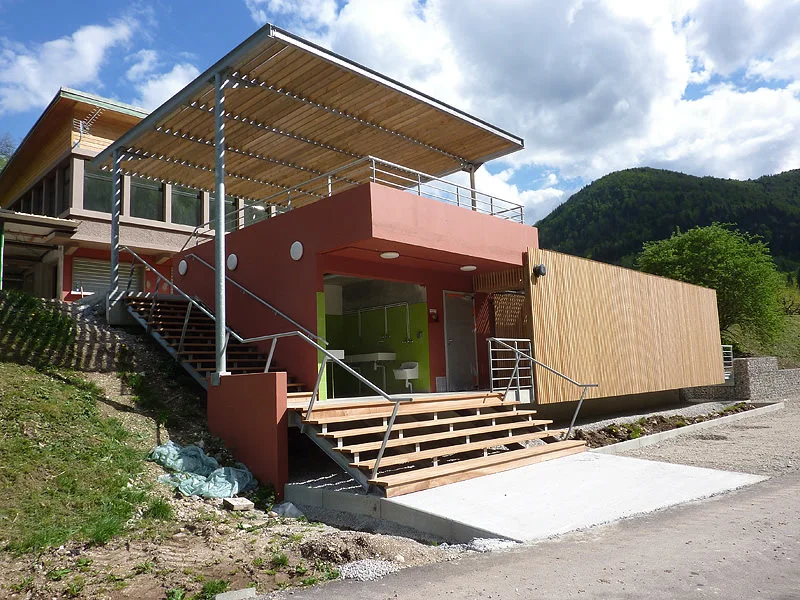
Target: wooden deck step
[(333, 405), (422, 479), (407, 408), (411, 457), (501, 415), (454, 434)]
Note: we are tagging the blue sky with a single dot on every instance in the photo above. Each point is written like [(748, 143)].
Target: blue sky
[(709, 87)]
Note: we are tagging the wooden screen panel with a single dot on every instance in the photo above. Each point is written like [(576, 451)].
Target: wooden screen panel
[(510, 316), (627, 331), (499, 281)]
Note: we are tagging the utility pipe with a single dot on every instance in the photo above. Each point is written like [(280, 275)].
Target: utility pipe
[(219, 216)]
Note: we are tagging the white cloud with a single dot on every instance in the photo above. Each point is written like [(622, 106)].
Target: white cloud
[(154, 88), (144, 62), (301, 14), (592, 85), (31, 75)]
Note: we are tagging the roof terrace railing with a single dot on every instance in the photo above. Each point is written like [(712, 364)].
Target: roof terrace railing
[(363, 170)]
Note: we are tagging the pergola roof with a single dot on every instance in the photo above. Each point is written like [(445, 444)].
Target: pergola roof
[(294, 111)]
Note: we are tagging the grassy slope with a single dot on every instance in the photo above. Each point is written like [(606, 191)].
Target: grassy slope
[(65, 469)]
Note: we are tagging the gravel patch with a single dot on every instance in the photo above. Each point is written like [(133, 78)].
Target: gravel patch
[(766, 445), (369, 569)]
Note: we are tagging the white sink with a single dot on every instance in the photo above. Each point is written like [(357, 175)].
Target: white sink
[(371, 357)]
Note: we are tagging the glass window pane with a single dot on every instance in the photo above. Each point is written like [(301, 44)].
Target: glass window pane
[(66, 190), (187, 206), (255, 212), (230, 213), (97, 190), (147, 199)]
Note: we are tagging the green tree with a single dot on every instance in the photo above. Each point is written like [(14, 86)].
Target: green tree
[(7, 147), (737, 265)]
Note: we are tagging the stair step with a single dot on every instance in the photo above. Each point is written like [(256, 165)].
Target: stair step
[(412, 457), (422, 479), (334, 404), (346, 433), (415, 407), (455, 434)]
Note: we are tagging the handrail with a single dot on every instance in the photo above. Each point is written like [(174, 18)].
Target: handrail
[(275, 310), (327, 355), (399, 176), (585, 386)]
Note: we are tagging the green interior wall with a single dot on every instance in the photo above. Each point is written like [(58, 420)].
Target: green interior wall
[(322, 332), (342, 333)]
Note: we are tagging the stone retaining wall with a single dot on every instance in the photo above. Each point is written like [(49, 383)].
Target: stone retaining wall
[(754, 380)]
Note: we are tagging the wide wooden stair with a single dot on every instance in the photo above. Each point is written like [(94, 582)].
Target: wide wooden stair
[(164, 317), (435, 440)]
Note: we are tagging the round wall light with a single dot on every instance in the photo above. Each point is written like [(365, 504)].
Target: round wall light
[(468, 268), (233, 262), (296, 250), (183, 266), (390, 255)]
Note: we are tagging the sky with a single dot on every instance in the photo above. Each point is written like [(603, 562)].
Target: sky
[(706, 87)]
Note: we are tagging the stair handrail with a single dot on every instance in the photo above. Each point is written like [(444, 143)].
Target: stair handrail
[(274, 309), (327, 355), (519, 353)]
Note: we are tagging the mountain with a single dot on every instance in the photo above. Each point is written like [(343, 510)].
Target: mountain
[(611, 218)]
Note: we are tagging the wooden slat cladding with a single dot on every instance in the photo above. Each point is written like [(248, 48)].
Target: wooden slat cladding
[(627, 331), (499, 281)]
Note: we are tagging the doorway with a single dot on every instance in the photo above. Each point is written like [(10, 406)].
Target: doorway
[(460, 344)]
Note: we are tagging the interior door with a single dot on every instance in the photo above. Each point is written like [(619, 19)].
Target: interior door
[(461, 351)]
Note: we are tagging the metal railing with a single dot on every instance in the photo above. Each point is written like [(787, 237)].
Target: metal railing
[(363, 170), (326, 354), (521, 371), (503, 343), (727, 361)]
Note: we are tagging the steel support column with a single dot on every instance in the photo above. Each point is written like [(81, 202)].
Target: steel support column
[(116, 207), (472, 187), (219, 219)]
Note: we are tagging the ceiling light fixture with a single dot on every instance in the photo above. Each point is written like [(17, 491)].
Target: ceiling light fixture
[(390, 255), (468, 268)]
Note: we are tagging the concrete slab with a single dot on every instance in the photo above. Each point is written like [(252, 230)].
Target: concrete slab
[(575, 492)]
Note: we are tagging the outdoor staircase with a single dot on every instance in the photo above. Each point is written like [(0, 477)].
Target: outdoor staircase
[(436, 439), (164, 317)]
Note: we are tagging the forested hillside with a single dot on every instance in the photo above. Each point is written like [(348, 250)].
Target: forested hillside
[(610, 219)]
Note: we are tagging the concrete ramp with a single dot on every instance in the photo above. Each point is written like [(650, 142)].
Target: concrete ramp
[(532, 502)]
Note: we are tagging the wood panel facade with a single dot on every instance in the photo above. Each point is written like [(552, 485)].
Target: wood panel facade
[(627, 331)]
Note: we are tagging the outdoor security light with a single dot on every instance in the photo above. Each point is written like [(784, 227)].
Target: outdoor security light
[(539, 270), (390, 255)]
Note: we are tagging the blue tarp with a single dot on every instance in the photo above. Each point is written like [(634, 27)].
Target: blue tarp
[(196, 474)]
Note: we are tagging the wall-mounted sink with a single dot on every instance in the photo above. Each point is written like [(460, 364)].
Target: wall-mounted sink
[(370, 357)]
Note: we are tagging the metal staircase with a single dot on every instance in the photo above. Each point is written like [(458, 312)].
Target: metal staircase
[(188, 336)]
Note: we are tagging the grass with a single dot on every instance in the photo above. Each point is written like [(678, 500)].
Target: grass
[(31, 332), (159, 509), (211, 588), (65, 469)]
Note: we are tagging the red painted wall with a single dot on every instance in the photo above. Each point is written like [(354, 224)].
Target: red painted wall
[(249, 413), (361, 222)]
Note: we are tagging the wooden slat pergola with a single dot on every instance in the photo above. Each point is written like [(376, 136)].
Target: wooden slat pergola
[(277, 111)]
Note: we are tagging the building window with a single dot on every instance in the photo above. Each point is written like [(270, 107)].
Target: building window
[(97, 186), (187, 206), (231, 216), (50, 207), (64, 200), (147, 199), (255, 211)]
